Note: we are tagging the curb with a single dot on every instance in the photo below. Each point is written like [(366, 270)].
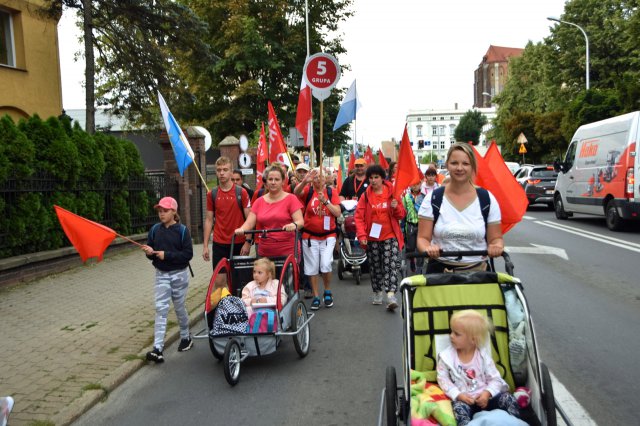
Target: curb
[(90, 398)]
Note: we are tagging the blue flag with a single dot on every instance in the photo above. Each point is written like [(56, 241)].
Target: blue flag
[(349, 107), (181, 148)]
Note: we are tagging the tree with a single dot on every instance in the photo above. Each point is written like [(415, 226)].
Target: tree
[(140, 49), (470, 127), (262, 50)]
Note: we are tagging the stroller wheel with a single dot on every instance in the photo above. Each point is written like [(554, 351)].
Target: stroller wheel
[(391, 397), (357, 274), (217, 355), (232, 358), (548, 399), (340, 269)]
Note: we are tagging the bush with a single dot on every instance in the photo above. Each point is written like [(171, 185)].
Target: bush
[(84, 174)]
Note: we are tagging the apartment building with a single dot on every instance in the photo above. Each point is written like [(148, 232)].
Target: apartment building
[(29, 61)]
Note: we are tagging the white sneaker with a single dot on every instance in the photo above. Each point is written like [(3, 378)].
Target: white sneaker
[(392, 302), (6, 405), (377, 298)]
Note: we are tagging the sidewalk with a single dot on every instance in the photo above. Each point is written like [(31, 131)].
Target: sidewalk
[(69, 339)]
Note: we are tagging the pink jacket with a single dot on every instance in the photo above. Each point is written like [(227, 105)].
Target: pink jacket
[(271, 287), (363, 215)]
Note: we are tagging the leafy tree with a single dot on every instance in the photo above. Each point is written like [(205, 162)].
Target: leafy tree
[(17, 152), (141, 47), (470, 127), (262, 50)]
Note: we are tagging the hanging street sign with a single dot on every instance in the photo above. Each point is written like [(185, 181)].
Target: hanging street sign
[(321, 72)]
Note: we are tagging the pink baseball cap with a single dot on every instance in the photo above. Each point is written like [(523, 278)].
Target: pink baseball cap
[(167, 203)]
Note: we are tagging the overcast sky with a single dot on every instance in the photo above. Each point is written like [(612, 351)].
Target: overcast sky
[(404, 54)]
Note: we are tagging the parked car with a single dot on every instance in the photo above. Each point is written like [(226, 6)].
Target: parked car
[(513, 167), (539, 183)]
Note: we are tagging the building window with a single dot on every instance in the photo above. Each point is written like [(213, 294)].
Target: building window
[(419, 130), (441, 130), (419, 118), (441, 118), (427, 143), (442, 145), (7, 55), (434, 130)]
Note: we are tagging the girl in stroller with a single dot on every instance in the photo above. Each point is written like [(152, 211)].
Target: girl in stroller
[(263, 290), (467, 373)]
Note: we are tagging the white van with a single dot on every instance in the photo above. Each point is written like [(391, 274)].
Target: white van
[(598, 173)]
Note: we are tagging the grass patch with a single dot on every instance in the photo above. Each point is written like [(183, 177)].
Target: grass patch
[(93, 386), (113, 350), (67, 328), (41, 423), (89, 325), (132, 357)]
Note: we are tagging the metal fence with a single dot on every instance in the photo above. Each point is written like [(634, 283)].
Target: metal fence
[(152, 186)]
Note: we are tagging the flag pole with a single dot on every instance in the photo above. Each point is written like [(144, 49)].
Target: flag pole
[(186, 143), (320, 153), (310, 124)]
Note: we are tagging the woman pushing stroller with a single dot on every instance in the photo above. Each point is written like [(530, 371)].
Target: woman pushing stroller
[(466, 219)]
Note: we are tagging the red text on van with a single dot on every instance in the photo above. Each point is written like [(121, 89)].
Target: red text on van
[(589, 149)]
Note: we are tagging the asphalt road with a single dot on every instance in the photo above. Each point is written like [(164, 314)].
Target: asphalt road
[(338, 383), (586, 309), (586, 312)]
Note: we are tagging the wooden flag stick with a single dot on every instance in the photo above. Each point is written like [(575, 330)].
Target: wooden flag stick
[(321, 119)]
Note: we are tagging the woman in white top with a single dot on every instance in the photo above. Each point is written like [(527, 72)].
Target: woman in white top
[(460, 225)]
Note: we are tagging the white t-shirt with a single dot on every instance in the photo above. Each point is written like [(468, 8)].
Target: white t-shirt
[(461, 230)]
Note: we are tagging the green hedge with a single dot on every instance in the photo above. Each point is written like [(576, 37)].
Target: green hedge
[(49, 162)]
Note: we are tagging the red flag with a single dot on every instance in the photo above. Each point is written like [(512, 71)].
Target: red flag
[(494, 175), (408, 172), (339, 180), (261, 156), (382, 161), (352, 162), (303, 113), (368, 156), (277, 147), (91, 239)]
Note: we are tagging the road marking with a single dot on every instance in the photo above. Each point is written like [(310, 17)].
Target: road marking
[(539, 249), (593, 236), (529, 217), (572, 408)]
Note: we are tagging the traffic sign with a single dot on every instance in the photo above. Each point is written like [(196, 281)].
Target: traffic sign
[(321, 72), (522, 149), (244, 143), (244, 160), (521, 138)]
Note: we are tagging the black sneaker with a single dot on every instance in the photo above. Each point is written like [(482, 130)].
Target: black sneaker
[(328, 299), (315, 305), (155, 355), (185, 344)]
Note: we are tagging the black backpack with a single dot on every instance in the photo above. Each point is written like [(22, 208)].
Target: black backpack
[(483, 197), (230, 317), (214, 195)]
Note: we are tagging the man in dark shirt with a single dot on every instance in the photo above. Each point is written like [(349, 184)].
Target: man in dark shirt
[(354, 186)]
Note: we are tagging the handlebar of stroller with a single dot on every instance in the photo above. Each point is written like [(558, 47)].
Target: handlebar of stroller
[(459, 254), (264, 231)]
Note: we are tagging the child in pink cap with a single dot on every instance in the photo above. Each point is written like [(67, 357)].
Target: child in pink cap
[(170, 249)]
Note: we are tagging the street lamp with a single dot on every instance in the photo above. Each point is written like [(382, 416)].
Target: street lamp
[(552, 18)]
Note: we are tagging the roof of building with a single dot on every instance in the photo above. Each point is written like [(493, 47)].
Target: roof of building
[(103, 119), (500, 53)]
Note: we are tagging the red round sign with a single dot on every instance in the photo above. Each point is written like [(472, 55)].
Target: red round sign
[(322, 71)]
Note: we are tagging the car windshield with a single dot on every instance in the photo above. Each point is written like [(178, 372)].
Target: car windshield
[(544, 173)]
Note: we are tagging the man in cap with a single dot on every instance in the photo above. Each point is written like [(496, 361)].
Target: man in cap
[(354, 186)]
